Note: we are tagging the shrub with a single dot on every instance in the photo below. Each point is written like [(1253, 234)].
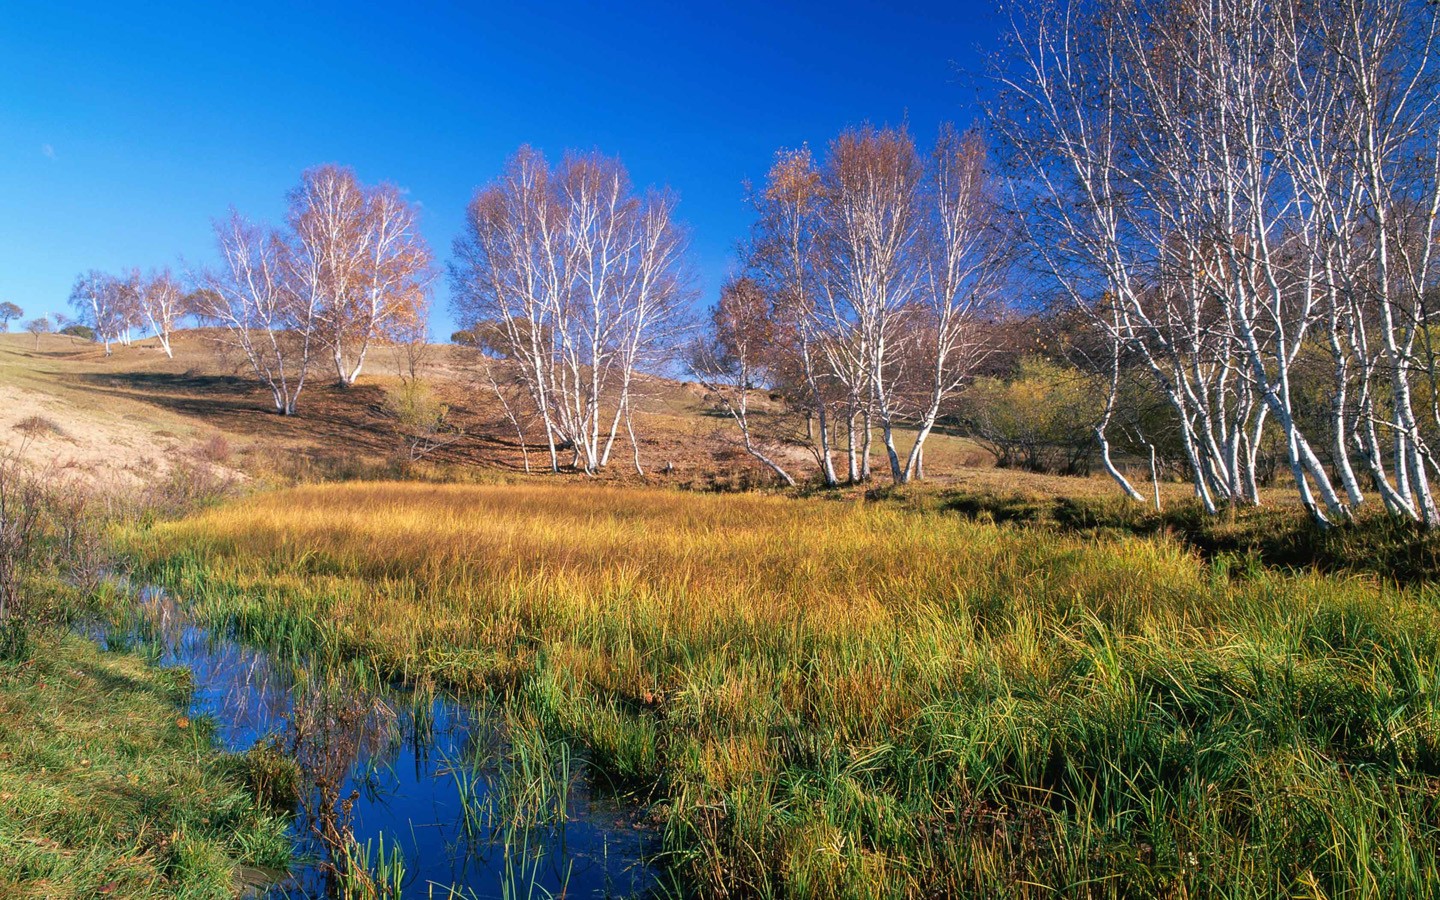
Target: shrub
[(214, 449), (422, 419), (1041, 419), (36, 426)]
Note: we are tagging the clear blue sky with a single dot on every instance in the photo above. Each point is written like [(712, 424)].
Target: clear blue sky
[(125, 128)]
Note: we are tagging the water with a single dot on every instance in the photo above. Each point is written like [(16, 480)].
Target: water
[(399, 762)]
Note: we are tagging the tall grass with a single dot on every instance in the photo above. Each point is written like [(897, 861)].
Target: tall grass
[(838, 699)]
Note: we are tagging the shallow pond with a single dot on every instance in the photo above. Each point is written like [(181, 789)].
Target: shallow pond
[(429, 776)]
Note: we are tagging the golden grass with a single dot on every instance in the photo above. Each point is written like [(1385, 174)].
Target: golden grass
[(698, 562), (829, 697)]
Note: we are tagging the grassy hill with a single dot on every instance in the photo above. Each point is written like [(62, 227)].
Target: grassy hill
[(137, 412), (138, 417)]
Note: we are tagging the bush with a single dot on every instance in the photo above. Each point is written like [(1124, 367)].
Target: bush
[(214, 449), (51, 543), (21, 535), (1041, 419), (36, 426), (422, 419)]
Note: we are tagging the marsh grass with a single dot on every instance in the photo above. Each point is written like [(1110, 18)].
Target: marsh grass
[(832, 699), (526, 783), (371, 872)]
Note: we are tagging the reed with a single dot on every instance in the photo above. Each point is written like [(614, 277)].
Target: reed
[(371, 872)]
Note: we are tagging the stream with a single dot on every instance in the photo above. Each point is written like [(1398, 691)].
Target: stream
[(424, 775)]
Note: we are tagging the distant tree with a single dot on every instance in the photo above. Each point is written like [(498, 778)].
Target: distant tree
[(783, 256), (75, 329), (8, 312), (358, 252), (197, 300), (465, 337), (732, 360), (38, 327), (161, 302), (101, 302), (129, 305)]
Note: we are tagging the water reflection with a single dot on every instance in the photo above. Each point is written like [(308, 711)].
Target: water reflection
[(399, 793)]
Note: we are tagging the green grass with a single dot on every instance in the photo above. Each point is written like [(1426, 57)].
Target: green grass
[(107, 790), (843, 699)]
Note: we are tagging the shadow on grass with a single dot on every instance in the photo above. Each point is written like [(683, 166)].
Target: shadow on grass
[(1375, 543), (171, 690), (338, 432), (192, 394)]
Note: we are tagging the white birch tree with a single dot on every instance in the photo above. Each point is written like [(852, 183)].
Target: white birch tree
[(359, 253), (98, 302), (263, 315), (731, 361), (161, 300)]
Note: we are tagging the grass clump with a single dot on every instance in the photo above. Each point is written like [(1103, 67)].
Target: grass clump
[(40, 426), (108, 790), (830, 699)]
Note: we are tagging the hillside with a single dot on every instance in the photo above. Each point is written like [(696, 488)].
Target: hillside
[(136, 413)]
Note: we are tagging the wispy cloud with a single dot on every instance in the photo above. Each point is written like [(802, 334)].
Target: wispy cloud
[(48, 150)]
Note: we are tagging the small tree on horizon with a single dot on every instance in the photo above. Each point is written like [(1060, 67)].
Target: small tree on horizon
[(38, 327), (9, 312), (102, 302), (160, 301)]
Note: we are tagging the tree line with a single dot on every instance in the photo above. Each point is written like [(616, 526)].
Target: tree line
[(1200, 236), (1233, 193), (1231, 206)]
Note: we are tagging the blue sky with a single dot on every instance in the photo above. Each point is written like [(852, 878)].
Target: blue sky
[(124, 130)]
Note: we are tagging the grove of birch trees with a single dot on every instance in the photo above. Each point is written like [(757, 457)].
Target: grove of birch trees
[(871, 274), (114, 306), (349, 269), (1231, 189), (576, 283)]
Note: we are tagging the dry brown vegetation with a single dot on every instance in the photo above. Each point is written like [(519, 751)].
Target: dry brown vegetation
[(137, 412)]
